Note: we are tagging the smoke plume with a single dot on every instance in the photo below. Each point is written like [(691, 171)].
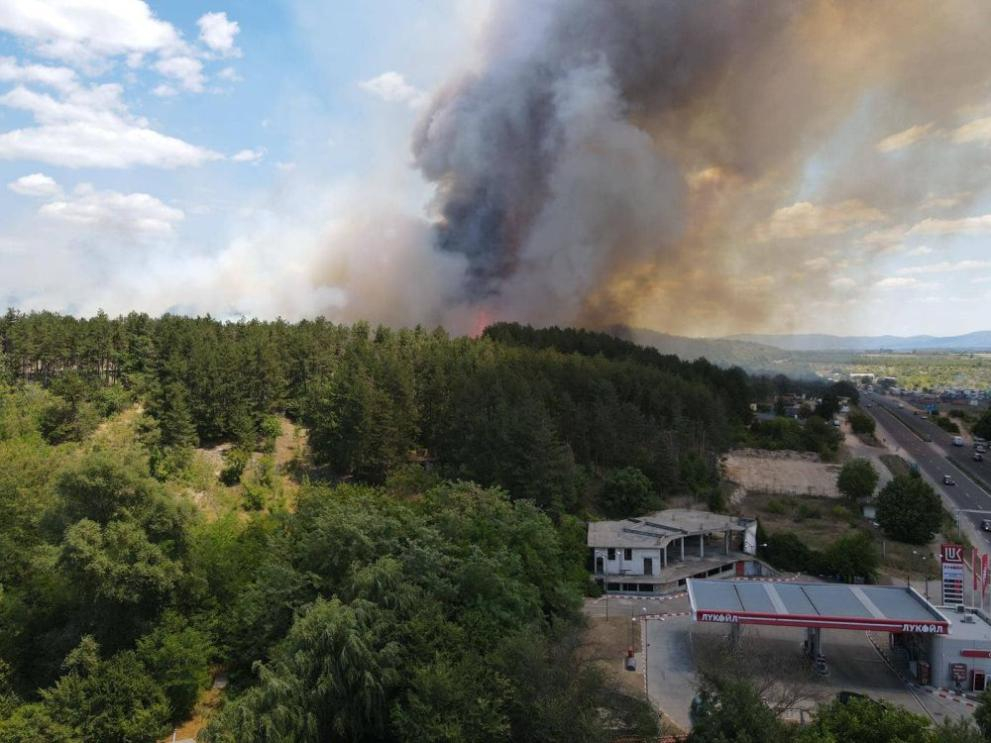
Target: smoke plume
[(621, 161)]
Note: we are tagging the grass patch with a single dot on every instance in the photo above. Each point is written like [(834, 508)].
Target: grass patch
[(817, 521), (896, 465)]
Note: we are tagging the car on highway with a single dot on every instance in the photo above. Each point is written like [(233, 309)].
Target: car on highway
[(978, 457), (986, 525), (947, 480), (927, 438)]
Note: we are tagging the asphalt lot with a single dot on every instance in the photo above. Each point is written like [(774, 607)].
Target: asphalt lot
[(968, 499)]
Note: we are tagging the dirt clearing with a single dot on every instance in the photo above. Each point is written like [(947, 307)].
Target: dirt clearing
[(781, 472)]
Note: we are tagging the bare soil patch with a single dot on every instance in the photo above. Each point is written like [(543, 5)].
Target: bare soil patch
[(605, 642), (781, 472)]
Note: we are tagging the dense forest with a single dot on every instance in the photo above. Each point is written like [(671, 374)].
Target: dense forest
[(422, 582)]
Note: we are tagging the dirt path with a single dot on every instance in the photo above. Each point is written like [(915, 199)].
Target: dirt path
[(859, 449)]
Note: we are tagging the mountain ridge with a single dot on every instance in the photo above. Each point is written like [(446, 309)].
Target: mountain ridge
[(978, 340)]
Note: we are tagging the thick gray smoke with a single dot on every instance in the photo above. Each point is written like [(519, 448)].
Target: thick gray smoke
[(607, 154)]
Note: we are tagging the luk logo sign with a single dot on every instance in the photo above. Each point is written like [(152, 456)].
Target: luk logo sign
[(951, 553)]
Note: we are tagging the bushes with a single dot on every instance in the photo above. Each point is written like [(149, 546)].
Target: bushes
[(852, 556), (946, 424), (814, 435), (861, 422), (235, 461)]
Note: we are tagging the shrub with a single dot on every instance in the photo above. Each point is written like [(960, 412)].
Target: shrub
[(235, 460), (776, 507)]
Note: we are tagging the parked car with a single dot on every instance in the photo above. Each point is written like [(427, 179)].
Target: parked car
[(947, 480), (958, 440), (978, 457), (986, 525)]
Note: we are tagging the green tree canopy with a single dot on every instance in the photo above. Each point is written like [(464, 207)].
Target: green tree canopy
[(627, 492), (865, 720), (909, 510), (857, 480)]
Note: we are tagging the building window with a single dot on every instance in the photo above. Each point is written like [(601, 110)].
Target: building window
[(611, 554), (646, 587), (627, 554), (612, 586), (630, 587)]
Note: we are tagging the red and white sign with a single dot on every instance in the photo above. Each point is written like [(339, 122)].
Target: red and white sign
[(951, 553), (951, 556), (976, 653), (823, 622)]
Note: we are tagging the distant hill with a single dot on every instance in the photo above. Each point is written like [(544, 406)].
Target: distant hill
[(751, 356), (978, 341)]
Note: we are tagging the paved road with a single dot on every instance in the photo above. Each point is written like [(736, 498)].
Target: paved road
[(936, 458)]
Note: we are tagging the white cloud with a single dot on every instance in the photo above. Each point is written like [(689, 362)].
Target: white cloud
[(817, 264), (904, 138), (164, 90), (804, 219), (843, 282), (229, 74), (897, 282), (978, 130), (393, 88), (943, 202), (218, 33), (886, 238), (86, 32), (286, 167), (945, 267), (979, 225), (60, 78), (921, 250), (248, 156), (36, 184), (187, 71), (134, 213), (91, 127)]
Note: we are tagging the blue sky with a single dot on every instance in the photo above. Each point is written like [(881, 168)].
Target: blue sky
[(253, 158)]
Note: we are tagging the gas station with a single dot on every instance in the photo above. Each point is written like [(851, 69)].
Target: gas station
[(946, 646)]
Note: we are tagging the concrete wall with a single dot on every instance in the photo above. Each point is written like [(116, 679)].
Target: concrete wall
[(945, 649), (619, 566)]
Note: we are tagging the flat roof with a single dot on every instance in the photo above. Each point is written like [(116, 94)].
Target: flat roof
[(661, 528), (976, 630), (822, 605)]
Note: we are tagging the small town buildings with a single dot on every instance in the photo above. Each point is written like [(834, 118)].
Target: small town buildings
[(660, 551)]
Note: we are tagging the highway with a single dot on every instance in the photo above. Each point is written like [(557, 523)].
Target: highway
[(937, 457)]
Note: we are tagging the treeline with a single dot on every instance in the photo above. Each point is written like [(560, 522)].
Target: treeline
[(545, 414)]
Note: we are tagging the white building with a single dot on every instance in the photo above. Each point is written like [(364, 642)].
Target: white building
[(660, 551)]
